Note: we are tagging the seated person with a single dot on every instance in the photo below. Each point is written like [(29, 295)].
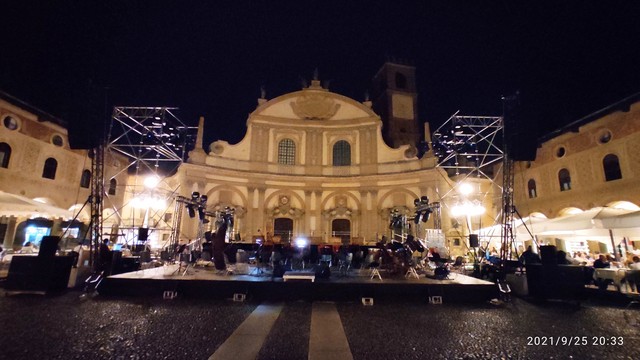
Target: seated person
[(434, 255), (29, 248), (601, 263), (181, 247), (529, 257), (633, 277), (126, 252), (561, 258)]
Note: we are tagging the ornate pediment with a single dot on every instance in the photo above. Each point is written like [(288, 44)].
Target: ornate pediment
[(341, 209), (315, 107)]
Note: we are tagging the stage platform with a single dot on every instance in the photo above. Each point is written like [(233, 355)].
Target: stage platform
[(170, 280)]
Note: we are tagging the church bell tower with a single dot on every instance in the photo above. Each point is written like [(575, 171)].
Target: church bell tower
[(395, 99)]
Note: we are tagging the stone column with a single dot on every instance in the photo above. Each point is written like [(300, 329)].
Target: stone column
[(320, 223), (307, 213), (250, 216), (373, 218), (260, 213), (10, 234), (56, 228), (364, 218)]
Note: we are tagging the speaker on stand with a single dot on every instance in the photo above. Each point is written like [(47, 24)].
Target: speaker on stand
[(548, 255), (143, 234), (473, 241)]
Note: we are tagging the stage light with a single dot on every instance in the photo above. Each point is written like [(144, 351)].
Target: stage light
[(467, 208), (465, 188), (396, 220), (301, 242), (151, 181)]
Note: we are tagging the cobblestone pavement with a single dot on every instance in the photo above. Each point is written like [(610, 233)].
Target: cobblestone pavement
[(71, 326)]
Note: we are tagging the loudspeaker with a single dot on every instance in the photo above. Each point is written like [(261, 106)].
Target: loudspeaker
[(49, 246), (522, 147), (473, 240), (40, 274), (548, 254), (520, 134), (143, 234)]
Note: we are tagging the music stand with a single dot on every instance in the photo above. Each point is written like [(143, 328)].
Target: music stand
[(257, 270), (374, 271), (411, 273), (345, 264), (183, 259)]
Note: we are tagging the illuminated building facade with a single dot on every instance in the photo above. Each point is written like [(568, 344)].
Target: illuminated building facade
[(44, 182), (312, 164), (590, 163)]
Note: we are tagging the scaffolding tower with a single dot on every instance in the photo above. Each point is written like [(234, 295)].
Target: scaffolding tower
[(155, 143), (95, 200), (468, 149)]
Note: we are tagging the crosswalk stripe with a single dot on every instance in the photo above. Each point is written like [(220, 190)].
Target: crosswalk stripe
[(327, 339), (248, 338)]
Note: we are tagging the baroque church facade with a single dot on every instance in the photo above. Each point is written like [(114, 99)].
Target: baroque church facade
[(314, 164)]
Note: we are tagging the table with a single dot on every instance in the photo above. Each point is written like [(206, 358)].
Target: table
[(616, 275)]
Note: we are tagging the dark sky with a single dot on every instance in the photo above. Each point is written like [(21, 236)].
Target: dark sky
[(566, 58)]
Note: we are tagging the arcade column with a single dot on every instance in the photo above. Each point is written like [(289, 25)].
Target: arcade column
[(10, 231)]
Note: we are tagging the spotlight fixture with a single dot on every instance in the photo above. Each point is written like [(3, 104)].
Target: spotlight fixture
[(396, 219), (423, 209), (196, 204)]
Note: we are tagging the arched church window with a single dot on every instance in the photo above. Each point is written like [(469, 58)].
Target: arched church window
[(531, 189), (286, 152), (50, 168), (611, 167), (341, 153), (5, 155), (113, 183), (401, 81), (564, 178), (85, 179)]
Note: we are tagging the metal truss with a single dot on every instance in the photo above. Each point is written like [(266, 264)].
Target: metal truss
[(155, 142), (469, 145), (153, 137), (470, 148), (95, 199), (474, 146)]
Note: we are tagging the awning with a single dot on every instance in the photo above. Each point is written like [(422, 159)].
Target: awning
[(625, 221), (519, 229), (599, 223), (587, 220), (20, 206)]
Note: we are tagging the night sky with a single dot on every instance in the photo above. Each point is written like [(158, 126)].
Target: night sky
[(566, 58)]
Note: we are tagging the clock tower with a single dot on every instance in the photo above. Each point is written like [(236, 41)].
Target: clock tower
[(395, 99)]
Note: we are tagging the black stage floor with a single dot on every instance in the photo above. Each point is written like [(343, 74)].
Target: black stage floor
[(170, 280)]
